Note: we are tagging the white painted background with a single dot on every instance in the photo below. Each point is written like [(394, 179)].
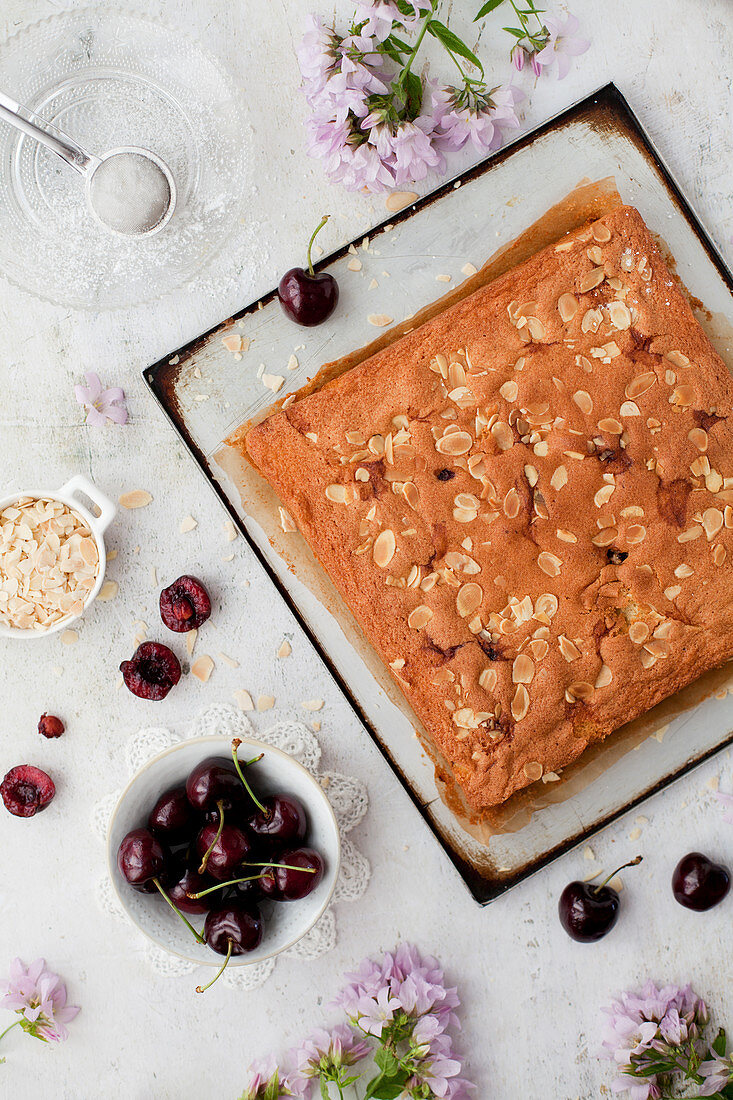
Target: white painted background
[(531, 996)]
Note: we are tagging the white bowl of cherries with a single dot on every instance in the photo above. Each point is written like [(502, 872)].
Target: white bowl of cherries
[(222, 852)]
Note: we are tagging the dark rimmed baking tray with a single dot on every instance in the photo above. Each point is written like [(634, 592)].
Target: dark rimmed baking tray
[(596, 138)]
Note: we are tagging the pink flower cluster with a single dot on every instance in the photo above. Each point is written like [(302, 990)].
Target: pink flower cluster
[(561, 44), (360, 124), (39, 997)]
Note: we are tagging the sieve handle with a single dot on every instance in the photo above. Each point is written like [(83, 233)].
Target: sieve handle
[(44, 132)]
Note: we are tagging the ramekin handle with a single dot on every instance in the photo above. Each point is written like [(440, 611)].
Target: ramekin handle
[(82, 484)]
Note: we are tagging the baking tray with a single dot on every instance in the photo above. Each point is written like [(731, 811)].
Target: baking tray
[(497, 210)]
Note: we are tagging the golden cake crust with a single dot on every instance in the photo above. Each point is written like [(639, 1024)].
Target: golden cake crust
[(527, 503)]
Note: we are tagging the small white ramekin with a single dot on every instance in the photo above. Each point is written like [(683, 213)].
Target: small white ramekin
[(68, 494)]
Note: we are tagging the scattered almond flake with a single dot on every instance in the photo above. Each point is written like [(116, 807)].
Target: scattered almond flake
[(398, 200), (287, 523), (243, 699), (191, 636), (265, 702), (550, 777), (284, 649), (293, 362), (227, 557), (112, 554), (201, 397), (229, 660), (188, 523), (313, 704), (202, 668), (154, 576), (229, 530), (658, 735), (354, 264), (137, 498), (635, 833), (316, 725), (713, 783), (108, 591), (616, 884), (373, 284), (232, 342), (273, 382), (68, 637), (443, 278), (379, 320), (468, 270), (588, 853)]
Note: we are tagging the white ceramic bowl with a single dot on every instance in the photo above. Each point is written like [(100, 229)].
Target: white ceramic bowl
[(68, 494), (285, 922)]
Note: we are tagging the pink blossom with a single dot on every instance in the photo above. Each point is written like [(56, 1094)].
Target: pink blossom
[(727, 801), (380, 15), (460, 116), (102, 404), (39, 997), (376, 1011), (562, 45)]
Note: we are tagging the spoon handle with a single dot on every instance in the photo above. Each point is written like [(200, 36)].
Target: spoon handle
[(44, 132)]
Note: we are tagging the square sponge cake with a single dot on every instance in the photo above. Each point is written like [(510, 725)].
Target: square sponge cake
[(527, 504)]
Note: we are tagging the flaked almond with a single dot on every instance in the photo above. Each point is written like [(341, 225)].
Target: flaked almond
[(454, 443), (243, 699), (567, 307), (590, 280), (188, 523), (399, 200), (384, 548), (512, 504), (566, 536), (699, 437), (273, 382), (265, 702), (603, 495), (536, 328), (635, 533), (712, 521), (108, 591), (339, 494), (313, 704), (287, 523), (610, 425), (719, 554), (683, 397), (503, 436), (284, 649), (546, 605), (581, 690), (584, 401), (678, 359), (559, 478), (137, 498), (684, 570), (469, 599), (533, 770), (619, 314), (638, 633), (419, 617), (549, 563), (488, 679), (601, 233), (604, 677), (202, 668), (520, 703), (673, 591), (568, 649), (361, 474), (605, 537), (411, 494), (509, 390), (640, 384), (629, 408), (523, 669)]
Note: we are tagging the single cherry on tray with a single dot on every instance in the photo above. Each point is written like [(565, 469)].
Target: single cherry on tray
[(698, 883), (152, 671), (26, 790), (588, 912), (185, 604), (308, 298), (296, 874)]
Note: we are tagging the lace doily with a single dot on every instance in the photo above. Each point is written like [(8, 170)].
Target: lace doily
[(347, 795)]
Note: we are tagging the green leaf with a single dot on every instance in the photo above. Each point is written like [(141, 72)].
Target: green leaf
[(453, 43), (490, 5), (390, 1090), (386, 1061), (515, 31), (720, 1043), (413, 95)]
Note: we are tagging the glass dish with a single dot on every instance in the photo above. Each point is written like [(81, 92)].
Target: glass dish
[(207, 391), (110, 78)]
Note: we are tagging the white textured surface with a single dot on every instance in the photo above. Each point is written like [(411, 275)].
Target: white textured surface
[(531, 996)]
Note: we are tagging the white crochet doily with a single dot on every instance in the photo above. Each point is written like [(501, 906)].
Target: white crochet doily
[(347, 795)]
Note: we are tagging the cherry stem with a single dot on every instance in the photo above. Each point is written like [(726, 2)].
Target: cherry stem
[(316, 231), (235, 745), (631, 863), (249, 878), (220, 971), (207, 853), (177, 911)]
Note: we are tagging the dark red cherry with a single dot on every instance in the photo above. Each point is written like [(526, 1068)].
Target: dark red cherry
[(698, 883), (299, 877), (140, 857), (172, 817), (225, 852), (152, 671), (215, 780), (282, 821), (307, 298), (26, 790), (588, 912), (185, 881), (237, 925), (185, 604), (50, 726)]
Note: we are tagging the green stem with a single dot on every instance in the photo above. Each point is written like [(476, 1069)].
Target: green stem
[(177, 911), (7, 1029), (418, 43), (209, 850), (237, 740), (632, 863), (220, 971), (311, 272), (248, 878)]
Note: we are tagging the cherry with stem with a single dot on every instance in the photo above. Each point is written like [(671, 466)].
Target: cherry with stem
[(235, 746), (209, 850), (199, 938), (220, 971), (249, 878), (588, 912)]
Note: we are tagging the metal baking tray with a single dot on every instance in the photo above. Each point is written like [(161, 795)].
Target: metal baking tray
[(207, 392)]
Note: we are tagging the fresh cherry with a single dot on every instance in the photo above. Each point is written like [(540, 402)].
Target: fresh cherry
[(172, 817), (231, 930), (152, 671), (26, 790), (215, 780), (588, 912), (281, 821), (307, 298), (698, 883), (183, 883), (295, 875), (50, 726), (222, 849), (140, 857), (185, 604)]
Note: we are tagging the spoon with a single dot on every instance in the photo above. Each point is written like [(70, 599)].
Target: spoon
[(129, 191)]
